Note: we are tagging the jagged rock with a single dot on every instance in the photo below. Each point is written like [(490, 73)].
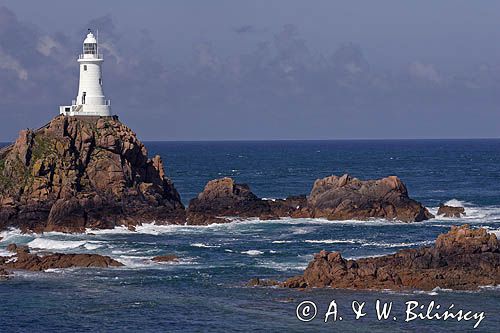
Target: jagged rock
[(86, 172), (225, 198), (166, 258), (33, 262), (462, 259), (346, 198), (450, 211)]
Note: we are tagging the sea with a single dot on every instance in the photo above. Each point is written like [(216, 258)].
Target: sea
[(205, 291)]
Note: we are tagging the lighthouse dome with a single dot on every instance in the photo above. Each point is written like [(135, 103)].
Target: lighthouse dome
[(90, 39)]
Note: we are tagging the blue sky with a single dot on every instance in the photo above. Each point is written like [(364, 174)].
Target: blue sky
[(242, 70)]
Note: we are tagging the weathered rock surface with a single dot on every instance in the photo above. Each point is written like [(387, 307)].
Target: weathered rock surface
[(25, 260), (346, 198), (462, 259), (224, 198), (79, 173), (450, 211)]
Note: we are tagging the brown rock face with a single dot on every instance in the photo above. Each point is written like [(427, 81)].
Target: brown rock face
[(462, 259), (32, 262), (224, 198), (79, 173), (450, 211), (345, 198)]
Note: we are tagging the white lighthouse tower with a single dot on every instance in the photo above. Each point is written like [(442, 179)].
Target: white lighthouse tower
[(90, 100)]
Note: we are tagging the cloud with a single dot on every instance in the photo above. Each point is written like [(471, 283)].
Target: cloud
[(46, 45), (245, 29), (277, 88), (424, 72), (9, 63)]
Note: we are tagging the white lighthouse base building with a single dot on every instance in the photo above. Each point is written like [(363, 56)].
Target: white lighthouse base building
[(90, 100), (86, 110)]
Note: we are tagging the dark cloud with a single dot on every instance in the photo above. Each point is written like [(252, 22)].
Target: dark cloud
[(246, 29)]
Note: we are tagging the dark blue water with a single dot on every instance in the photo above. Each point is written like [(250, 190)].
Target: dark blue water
[(205, 291)]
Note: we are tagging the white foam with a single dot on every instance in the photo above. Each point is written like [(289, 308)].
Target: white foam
[(402, 244), (5, 253), (14, 236), (50, 244), (204, 245), (334, 241), (253, 252), (458, 203), (283, 266), (281, 241)]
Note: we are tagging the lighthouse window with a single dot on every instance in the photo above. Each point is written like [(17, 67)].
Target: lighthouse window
[(84, 67), (100, 81), (90, 48)]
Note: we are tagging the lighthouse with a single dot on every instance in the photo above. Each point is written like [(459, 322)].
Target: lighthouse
[(90, 100)]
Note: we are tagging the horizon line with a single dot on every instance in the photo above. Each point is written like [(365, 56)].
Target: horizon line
[(313, 140)]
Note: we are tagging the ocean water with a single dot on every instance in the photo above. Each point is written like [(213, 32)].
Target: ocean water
[(205, 291)]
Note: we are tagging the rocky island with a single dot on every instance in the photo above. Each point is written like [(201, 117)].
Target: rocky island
[(23, 259), (462, 259), (83, 172), (333, 198)]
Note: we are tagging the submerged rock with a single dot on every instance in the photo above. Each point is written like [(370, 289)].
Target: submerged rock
[(166, 258), (346, 198), (451, 211), (88, 172), (256, 282), (462, 259), (33, 262)]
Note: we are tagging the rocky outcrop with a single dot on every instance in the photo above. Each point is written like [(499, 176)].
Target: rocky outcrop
[(450, 211), (79, 173), (462, 259), (348, 198), (225, 198), (334, 198), (25, 260)]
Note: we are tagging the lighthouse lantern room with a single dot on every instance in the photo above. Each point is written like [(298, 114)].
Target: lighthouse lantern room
[(90, 100)]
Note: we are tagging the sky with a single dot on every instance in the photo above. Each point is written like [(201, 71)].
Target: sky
[(261, 69)]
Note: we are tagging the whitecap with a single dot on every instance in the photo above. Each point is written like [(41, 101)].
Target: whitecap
[(50, 244), (334, 241), (253, 252), (458, 203), (402, 244), (203, 245), (283, 266)]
